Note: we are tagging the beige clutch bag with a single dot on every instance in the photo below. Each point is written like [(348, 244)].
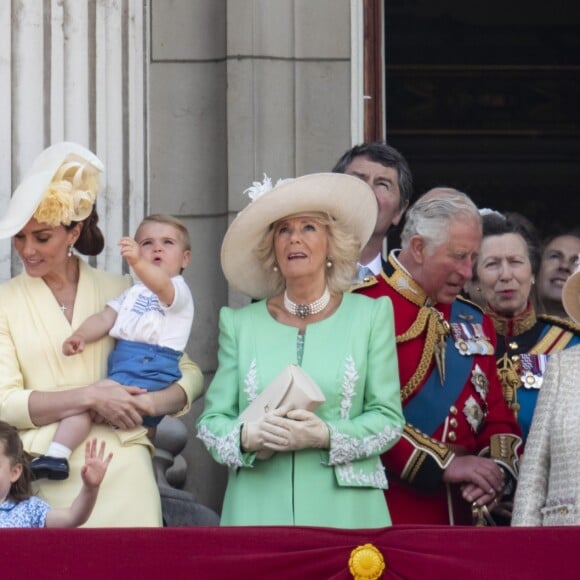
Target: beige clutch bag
[(291, 387)]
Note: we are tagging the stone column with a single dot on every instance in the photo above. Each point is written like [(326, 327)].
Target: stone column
[(73, 70)]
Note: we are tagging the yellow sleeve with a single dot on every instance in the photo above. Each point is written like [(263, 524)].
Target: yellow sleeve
[(191, 382)]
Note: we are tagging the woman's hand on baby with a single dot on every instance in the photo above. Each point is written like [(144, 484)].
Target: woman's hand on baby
[(116, 405), (145, 405), (96, 463)]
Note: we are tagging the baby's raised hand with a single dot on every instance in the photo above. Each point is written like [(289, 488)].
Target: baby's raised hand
[(129, 250), (95, 467)]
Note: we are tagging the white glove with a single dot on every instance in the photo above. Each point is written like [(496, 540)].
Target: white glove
[(269, 429), (305, 430)]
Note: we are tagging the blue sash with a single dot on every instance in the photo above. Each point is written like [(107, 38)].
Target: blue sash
[(429, 407)]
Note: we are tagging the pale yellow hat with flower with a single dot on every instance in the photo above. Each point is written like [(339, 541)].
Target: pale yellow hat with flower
[(60, 188)]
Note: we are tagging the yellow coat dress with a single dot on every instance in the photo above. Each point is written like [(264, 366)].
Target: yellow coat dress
[(32, 330)]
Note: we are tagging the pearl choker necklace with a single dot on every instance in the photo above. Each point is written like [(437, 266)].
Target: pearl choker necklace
[(304, 310)]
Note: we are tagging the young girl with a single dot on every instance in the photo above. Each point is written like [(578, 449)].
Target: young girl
[(151, 322), (20, 509)]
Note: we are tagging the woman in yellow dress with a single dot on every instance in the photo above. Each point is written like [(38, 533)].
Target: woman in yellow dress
[(51, 214)]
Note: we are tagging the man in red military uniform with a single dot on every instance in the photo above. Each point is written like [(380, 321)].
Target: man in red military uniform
[(459, 451)]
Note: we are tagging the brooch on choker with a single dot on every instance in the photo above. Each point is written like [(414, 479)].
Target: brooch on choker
[(304, 310)]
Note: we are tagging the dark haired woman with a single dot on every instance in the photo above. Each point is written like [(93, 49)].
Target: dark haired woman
[(51, 213)]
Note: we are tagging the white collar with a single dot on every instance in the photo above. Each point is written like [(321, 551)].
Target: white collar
[(375, 265)]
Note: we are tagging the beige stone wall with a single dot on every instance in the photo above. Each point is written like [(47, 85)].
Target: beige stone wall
[(238, 88), (187, 102)]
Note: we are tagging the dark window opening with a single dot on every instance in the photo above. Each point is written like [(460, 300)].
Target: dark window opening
[(485, 97)]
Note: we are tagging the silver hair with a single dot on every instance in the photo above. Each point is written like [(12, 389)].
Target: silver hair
[(431, 214)]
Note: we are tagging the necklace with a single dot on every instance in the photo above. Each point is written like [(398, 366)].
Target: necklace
[(65, 293), (304, 310)]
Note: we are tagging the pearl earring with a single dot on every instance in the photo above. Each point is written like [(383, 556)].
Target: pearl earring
[(70, 251), (275, 268), (329, 263)]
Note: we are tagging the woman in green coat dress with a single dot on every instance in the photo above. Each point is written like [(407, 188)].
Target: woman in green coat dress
[(294, 248)]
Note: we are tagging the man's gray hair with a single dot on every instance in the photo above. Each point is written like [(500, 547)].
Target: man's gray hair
[(431, 214)]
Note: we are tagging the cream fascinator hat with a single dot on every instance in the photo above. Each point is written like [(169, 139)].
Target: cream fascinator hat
[(571, 296), (60, 188), (347, 199)]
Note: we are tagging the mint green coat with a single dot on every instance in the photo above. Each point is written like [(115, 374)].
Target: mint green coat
[(352, 357)]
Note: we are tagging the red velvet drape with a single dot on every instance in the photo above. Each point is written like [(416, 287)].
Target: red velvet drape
[(422, 552)]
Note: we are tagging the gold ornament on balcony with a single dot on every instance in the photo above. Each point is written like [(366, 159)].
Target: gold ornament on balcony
[(366, 563)]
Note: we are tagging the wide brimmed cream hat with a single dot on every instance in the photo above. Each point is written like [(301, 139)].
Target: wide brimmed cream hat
[(347, 199), (60, 188), (571, 296)]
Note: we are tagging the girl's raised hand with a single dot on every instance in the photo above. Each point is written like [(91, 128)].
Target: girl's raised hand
[(95, 467)]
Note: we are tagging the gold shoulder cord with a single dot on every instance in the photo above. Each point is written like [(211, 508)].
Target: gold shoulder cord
[(428, 317), (417, 327), (437, 328)]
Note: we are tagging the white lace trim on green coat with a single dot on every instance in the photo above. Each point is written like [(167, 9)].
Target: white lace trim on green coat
[(227, 448), (344, 448)]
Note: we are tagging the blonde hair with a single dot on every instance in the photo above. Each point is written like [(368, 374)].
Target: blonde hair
[(343, 252), (162, 218)]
